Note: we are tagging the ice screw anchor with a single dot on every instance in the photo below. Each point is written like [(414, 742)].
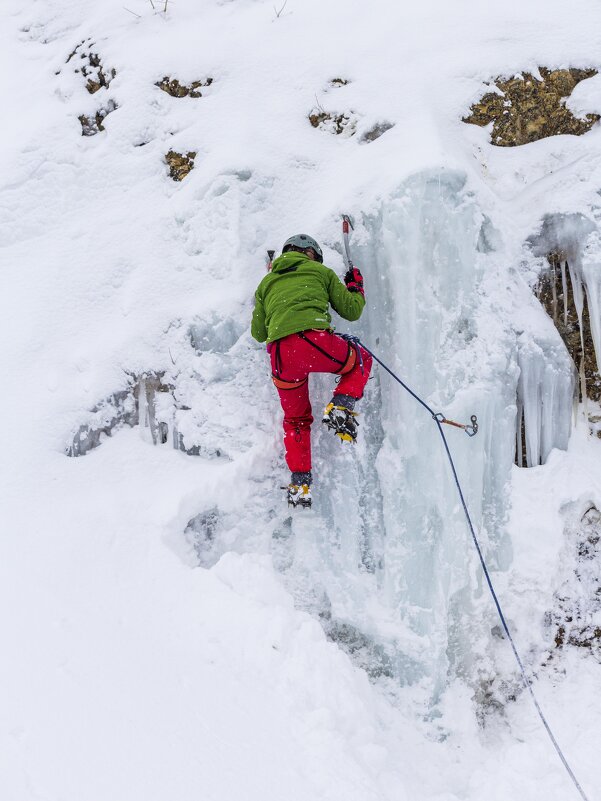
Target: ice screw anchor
[(471, 429)]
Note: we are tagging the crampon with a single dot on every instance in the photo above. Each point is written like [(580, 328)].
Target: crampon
[(298, 495), (342, 421)]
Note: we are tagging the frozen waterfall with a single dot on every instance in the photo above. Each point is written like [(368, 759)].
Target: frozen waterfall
[(397, 562)]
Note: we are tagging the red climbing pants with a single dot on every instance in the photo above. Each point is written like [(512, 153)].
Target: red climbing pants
[(292, 359)]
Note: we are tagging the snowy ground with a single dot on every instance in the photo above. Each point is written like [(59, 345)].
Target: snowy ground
[(140, 662)]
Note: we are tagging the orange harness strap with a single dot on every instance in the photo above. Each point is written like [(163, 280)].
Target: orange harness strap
[(280, 384), (350, 362)]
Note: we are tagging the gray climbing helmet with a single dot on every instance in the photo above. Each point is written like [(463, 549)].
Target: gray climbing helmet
[(303, 241)]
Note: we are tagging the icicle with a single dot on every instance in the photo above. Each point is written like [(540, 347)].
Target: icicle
[(545, 391), (556, 396), (578, 293), (151, 423), (564, 289), (554, 288), (142, 408), (519, 438), (530, 359), (583, 382), (592, 278)]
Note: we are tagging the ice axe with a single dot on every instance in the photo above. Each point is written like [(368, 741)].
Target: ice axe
[(347, 225)]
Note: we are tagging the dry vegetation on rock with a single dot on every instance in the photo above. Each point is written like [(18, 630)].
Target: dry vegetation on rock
[(332, 122), (180, 164), (176, 89), (90, 66), (525, 108)]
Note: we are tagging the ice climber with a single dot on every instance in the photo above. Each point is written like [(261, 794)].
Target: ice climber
[(292, 314)]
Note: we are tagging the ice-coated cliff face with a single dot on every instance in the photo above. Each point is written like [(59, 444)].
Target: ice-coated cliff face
[(428, 245), (395, 555), (396, 561)]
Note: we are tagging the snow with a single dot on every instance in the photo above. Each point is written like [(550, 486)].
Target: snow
[(168, 630)]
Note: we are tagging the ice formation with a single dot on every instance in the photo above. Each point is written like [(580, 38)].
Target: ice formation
[(145, 402), (590, 266), (575, 239), (545, 397), (428, 320), (548, 375), (389, 514)]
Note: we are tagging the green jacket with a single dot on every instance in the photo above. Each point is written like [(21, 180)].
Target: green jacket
[(296, 295)]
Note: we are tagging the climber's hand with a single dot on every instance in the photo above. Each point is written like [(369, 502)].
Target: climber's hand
[(354, 281)]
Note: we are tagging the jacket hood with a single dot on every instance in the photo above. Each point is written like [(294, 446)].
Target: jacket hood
[(289, 261)]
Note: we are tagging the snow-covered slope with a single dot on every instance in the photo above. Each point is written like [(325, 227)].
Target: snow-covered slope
[(168, 629)]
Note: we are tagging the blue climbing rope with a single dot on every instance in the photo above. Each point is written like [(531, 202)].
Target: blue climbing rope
[(439, 419)]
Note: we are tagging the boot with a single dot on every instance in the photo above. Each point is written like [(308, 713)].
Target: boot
[(299, 489)]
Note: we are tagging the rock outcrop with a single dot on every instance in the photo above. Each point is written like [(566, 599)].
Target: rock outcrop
[(526, 108)]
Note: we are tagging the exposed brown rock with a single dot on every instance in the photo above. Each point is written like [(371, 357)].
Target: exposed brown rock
[(180, 164), (97, 75), (176, 89), (332, 122), (90, 126), (525, 109)]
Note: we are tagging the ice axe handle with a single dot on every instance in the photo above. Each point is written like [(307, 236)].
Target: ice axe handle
[(346, 225)]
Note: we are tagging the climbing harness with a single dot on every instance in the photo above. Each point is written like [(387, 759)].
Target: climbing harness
[(354, 343), (344, 366), (279, 383), (472, 430), (275, 376)]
